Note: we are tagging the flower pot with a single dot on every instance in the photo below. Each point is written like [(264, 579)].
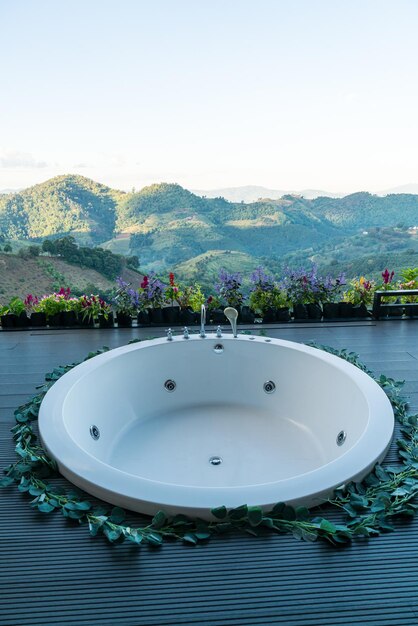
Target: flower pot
[(8, 320), (38, 319), (69, 318), (360, 310), (87, 322), (143, 318), (300, 312), (216, 316), (156, 317), (331, 310), (171, 315), (54, 320), (124, 320), (412, 311), (283, 314), (187, 317), (22, 320), (106, 322), (314, 311), (246, 316), (346, 309), (269, 316)]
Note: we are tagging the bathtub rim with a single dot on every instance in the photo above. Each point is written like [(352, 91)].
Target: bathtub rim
[(121, 488)]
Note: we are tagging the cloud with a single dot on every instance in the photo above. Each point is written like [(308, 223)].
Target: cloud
[(12, 160), (80, 165)]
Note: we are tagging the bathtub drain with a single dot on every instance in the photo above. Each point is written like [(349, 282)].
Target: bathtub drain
[(215, 460)]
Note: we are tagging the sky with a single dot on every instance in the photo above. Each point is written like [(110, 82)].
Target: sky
[(287, 94)]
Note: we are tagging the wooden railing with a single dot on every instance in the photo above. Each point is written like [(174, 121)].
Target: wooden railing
[(378, 295)]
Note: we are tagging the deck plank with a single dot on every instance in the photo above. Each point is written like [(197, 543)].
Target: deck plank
[(52, 572)]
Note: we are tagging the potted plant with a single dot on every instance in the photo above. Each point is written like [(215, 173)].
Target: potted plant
[(88, 310), (152, 296), (388, 285), (360, 296), (126, 303), (53, 306), (13, 315), (104, 313), (36, 318), (215, 314), (267, 299), (70, 316), (330, 296), (190, 299), (171, 312), (303, 288), (410, 281), (229, 289)]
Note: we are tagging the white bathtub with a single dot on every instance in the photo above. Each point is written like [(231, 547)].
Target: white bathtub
[(219, 438)]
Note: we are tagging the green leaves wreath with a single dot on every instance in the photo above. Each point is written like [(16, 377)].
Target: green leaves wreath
[(368, 508)]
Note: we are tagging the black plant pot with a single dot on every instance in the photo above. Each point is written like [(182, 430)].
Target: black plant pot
[(300, 312), (87, 322), (156, 317), (187, 317), (143, 318), (314, 311), (412, 311), (346, 309), (124, 320), (269, 316), (216, 316), (171, 315), (360, 311), (8, 320), (22, 320), (246, 316), (283, 314), (106, 322), (38, 319), (54, 320), (69, 318), (331, 310)]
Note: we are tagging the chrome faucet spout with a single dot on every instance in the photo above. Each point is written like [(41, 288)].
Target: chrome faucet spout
[(202, 321), (232, 315)]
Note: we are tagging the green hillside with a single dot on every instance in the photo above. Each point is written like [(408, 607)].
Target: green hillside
[(63, 205), (168, 227), (43, 275)]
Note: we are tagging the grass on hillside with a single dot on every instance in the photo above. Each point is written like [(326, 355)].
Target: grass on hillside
[(42, 275)]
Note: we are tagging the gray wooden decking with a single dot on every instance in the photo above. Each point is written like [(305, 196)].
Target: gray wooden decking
[(52, 572)]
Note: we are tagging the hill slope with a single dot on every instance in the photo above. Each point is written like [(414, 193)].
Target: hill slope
[(62, 205), (167, 226), (42, 275)]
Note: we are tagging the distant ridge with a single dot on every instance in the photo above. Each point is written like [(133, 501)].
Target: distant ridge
[(252, 193)]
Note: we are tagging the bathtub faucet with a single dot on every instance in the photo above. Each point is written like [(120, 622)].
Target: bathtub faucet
[(232, 315), (202, 321)]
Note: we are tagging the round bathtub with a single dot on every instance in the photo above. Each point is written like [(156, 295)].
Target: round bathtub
[(189, 425)]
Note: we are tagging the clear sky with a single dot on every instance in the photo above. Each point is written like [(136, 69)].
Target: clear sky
[(288, 94)]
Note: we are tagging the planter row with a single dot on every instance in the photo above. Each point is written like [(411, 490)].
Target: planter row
[(173, 316)]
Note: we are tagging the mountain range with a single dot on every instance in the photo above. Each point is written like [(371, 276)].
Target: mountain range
[(169, 227)]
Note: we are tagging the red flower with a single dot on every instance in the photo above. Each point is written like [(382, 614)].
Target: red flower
[(171, 277), (387, 278), (144, 283)]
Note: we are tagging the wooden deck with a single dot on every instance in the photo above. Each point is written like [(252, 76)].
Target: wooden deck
[(54, 573)]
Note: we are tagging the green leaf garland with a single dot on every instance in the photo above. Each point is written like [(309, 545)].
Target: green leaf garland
[(369, 507)]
